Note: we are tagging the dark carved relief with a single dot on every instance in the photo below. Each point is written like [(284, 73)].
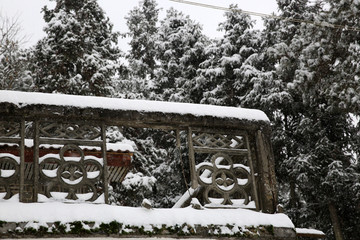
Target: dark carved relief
[(9, 129), (218, 141), (71, 174), (9, 163), (227, 179), (59, 160), (9, 173), (69, 131)]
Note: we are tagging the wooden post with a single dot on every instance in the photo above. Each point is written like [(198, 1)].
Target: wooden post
[(194, 181), (22, 160), (106, 174), (36, 161), (254, 185), (335, 221), (267, 173)]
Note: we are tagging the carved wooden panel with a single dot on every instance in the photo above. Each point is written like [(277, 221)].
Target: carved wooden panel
[(225, 182), (218, 141), (223, 169), (69, 131), (9, 129), (9, 174), (77, 176)]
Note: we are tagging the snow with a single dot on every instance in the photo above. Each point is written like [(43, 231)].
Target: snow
[(309, 231), (6, 173), (119, 146), (11, 156), (138, 179), (237, 203), (188, 194), (22, 99), (12, 211)]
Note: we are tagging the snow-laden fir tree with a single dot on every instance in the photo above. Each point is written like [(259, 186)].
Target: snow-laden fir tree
[(142, 21), (277, 64), (328, 78), (135, 80), (156, 173), (180, 47), (79, 53), (225, 74), (13, 60)]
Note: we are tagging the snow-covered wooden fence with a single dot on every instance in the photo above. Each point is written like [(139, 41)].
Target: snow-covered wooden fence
[(230, 155)]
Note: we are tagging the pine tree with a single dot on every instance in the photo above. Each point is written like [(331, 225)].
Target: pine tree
[(305, 81), (308, 92), (180, 49), (141, 22), (79, 54), (13, 59), (327, 78), (179, 40), (225, 74), (156, 172), (277, 66)]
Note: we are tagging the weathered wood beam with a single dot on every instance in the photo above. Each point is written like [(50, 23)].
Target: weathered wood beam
[(126, 117), (223, 150)]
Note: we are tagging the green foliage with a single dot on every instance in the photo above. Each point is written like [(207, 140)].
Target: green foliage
[(110, 228), (58, 228), (180, 50), (303, 91), (270, 229), (141, 22), (79, 53), (77, 228), (2, 223), (225, 75)]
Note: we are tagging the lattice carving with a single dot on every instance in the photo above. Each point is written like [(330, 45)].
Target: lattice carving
[(218, 141), (9, 129), (9, 172), (69, 131), (71, 174), (225, 183)]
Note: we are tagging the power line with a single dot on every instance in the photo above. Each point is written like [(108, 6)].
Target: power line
[(319, 24)]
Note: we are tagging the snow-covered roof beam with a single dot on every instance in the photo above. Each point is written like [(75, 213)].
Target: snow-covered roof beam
[(141, 113)]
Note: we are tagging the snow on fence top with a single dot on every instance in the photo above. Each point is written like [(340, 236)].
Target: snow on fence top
[(111, 147), (13, 211), (22, 99)]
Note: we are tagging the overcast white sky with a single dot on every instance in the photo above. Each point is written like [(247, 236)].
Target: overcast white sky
[(29, 14)]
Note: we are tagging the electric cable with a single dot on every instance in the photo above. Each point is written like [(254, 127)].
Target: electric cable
[(319, 24)]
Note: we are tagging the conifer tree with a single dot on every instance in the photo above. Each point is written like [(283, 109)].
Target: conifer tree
[(306, 83), (79, 53), (305, 80), (180, 47), (226, 72), (13, 59), (141, 22), (277, 65), (327, 172)]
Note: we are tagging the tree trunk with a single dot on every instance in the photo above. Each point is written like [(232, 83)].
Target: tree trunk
[(335, 221)]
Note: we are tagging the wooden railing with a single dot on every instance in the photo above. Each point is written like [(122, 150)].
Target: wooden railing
[(230, 157)]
